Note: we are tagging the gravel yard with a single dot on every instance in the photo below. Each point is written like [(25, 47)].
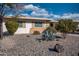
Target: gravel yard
[(24, 45)]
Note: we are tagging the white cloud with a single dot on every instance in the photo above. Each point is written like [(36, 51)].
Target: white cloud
[(71, 16), (25, 14), (65, 16), (37, 11), (41, 12), (31, 7), (56, 16)]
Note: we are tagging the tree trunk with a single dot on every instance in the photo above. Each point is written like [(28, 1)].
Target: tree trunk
[(1, 29), (64, 35)]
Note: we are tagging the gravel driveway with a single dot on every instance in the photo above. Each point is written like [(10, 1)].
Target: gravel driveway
[(24, 45)]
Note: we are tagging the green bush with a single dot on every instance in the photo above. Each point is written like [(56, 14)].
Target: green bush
[(11, 26), (36, 33), (51, 29), (66, 25)]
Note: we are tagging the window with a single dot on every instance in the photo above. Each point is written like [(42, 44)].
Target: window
[(38, 24), (21, 25)]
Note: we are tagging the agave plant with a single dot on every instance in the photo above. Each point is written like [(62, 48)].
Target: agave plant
[(48, 34)]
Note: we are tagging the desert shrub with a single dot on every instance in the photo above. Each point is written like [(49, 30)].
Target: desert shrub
[(11, 26), (51, 29), (77, 30), (36, 33), (66, 26)]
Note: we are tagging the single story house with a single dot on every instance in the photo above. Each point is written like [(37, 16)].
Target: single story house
[(27, 25)]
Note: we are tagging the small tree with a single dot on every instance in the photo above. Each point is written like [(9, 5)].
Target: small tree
[(11, 26), (65, 26), (4, 6), (3, 11)]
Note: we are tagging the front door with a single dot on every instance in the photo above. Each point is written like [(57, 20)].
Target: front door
[(28, 27)]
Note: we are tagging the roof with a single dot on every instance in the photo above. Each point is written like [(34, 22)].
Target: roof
[(35, 18), (31, 18)]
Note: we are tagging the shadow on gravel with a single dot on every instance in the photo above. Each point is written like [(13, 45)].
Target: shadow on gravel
[(6, 34), (51, 49), (78, 54), (57, 38)]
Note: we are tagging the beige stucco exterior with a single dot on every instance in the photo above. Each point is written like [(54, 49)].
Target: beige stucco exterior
[(30, 25), (40, 29)]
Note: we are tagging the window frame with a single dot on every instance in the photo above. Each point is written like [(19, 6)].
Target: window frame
[(38, 24), (22, 24)]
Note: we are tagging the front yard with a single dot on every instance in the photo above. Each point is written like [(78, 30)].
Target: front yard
[(24, 45)]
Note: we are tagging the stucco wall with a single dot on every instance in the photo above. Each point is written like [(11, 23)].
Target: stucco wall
[(37, 29), (4, 27), (40, 29), (25, 30), (30, 28), (19, 30)]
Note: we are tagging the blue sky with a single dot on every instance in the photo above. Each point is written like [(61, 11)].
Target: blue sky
[(49, 10), (60, 8)]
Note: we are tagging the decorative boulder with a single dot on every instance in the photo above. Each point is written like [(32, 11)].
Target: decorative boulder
[(58, 48)]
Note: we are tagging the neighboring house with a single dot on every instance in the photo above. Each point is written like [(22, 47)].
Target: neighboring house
[(27, 25)]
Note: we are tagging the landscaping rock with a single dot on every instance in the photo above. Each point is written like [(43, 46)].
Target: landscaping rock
[(58, 48)]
